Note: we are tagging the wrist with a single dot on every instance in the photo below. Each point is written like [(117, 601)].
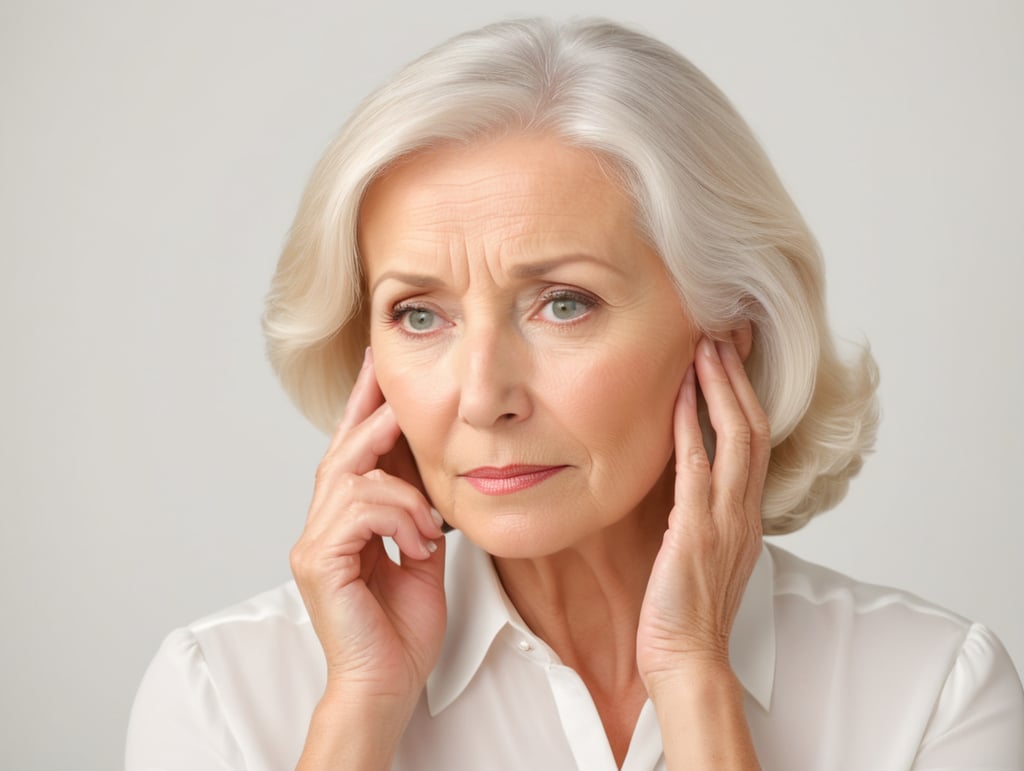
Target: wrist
[(697, 676), (349, 729), (387, 707)]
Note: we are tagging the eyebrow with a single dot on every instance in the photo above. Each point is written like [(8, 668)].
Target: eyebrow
[(522, 271)]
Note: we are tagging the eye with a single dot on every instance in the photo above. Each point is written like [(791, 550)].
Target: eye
[(563, 306), (416, 320)]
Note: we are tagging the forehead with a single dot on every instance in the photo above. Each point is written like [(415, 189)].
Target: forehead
[(519, 194)]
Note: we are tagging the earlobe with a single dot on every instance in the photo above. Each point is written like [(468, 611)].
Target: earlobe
[(743, 338)]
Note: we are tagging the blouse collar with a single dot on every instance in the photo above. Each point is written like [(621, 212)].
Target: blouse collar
[(479, 609)]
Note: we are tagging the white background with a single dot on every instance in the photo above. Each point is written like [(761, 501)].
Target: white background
[(151, 158)]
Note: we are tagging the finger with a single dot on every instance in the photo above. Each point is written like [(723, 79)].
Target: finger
[(337, 496), (362, 401), (693, 469), (760, 429), (430, 568), (400, 491), (360, 449), (731, 469), (368, 441), (347, 536)]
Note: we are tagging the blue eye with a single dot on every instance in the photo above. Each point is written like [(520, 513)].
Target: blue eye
[(416, 320), (566, 309), (419, 319), (566, 306)]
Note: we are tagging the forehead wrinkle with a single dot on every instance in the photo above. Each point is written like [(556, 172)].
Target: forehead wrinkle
[(517, 250), (534, 221), (470, 241), (499, 217), (483, 214)]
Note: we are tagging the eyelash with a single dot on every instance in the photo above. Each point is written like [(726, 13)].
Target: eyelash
[(401, 310)]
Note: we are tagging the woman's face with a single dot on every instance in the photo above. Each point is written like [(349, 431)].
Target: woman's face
[(530, 343)]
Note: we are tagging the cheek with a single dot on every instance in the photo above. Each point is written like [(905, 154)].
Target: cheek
[(622, 403), (417, 396), (630, 380)]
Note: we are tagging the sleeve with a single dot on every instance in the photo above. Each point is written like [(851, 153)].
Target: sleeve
[(177, 721), (978, 720)]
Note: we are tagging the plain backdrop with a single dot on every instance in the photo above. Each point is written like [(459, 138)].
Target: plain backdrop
[(151, 159)]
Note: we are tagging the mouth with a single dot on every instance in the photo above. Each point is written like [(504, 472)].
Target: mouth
[(491, 480)]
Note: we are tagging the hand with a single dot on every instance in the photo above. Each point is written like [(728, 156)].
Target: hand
[(380, 624), (714, 530)]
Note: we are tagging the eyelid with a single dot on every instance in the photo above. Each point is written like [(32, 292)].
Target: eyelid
[(564, 293)]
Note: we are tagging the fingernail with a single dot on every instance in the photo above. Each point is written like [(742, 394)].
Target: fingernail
[(436, 515), (709, 348), (431, 546)]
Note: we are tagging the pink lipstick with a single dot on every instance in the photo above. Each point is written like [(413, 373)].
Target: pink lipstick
[(508, 479)]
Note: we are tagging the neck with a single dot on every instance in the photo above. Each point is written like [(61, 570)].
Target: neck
[(584, 601)]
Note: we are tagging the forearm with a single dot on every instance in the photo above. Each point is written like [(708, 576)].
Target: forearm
[(703, 726), (353, 734)]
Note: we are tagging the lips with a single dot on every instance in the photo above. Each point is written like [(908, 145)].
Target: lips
[(492, 480)]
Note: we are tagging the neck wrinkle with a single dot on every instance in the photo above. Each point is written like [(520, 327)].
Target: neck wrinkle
[(585, 601)]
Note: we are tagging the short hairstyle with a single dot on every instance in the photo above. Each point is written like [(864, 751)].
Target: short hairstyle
[(706, 197)]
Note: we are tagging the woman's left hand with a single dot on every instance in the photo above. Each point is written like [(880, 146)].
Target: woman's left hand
[(714, 530)]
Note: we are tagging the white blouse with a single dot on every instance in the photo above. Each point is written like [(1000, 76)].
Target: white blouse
[(837, 674)]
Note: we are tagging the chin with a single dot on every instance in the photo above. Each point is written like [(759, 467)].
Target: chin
[(516, 533)]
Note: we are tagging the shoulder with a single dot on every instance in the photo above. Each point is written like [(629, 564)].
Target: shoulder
[(266, 624), (879, 667), (876, 631), (845, 600), (278, 609), (831, 627), (238, 683), (872, 643), (267, 632)]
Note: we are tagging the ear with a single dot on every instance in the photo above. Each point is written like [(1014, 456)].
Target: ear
[(743, 338)]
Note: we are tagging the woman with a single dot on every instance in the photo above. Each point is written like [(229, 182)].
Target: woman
[(559, 300)]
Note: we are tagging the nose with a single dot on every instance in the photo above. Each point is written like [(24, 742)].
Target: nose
[(493, 366)]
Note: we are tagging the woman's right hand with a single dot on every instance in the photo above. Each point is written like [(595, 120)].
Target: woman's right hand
[(380, 624)]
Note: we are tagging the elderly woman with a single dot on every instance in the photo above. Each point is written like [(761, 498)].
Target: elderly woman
[(547, 291)]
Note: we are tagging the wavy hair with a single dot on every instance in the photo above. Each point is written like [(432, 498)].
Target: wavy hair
[(706, 197)]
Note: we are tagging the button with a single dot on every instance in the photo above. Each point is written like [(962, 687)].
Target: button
[(525, 646)]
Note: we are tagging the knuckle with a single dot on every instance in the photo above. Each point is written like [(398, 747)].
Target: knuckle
[(727, 508), (740, 435), (331, 471), (348, 483), (745, 528), (695, 460), (735, 511), (323, 472), (760, 428), (297, 559)]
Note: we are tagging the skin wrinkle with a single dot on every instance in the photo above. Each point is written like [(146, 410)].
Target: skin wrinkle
[(496, 385)]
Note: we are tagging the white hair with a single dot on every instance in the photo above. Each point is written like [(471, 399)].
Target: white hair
[(706, 197)]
